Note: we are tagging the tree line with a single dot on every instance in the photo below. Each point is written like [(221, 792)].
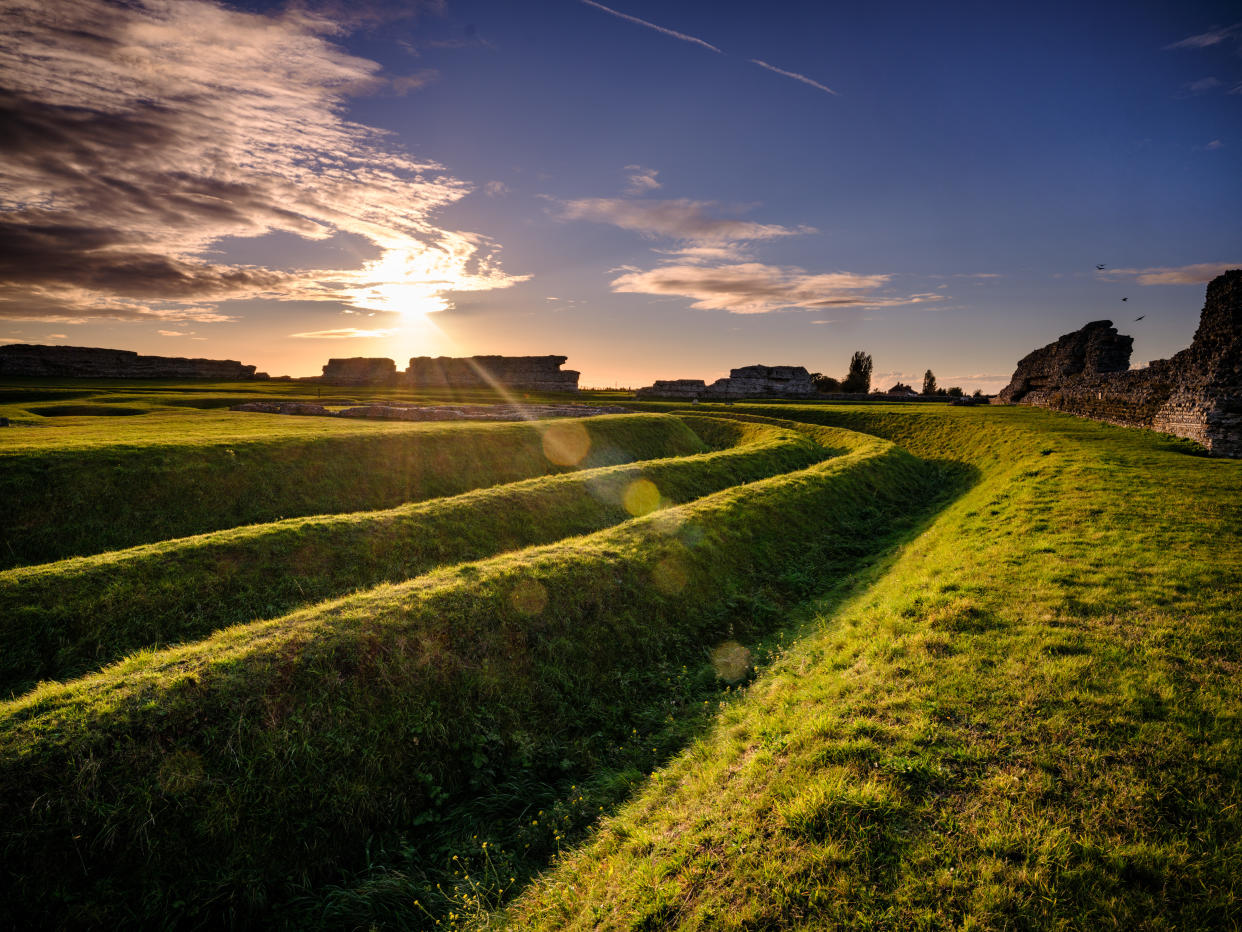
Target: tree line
[(858, 381)]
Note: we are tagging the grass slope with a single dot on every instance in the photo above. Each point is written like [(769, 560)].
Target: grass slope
[(1030, 718), (208, 782), (66, 618), (70, 500)]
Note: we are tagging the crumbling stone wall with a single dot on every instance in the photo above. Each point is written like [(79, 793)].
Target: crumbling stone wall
[(746, 382), (360, 370), (1197, 394), (529, 373), (85, 362)]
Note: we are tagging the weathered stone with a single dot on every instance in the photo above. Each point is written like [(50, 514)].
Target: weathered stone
[(83, 362), (747, 382), (360, 370), (526, 373), (1197, 394), (1095, 349)]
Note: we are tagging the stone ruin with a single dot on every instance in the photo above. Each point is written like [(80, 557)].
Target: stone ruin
[(360, 370), (30, 360), (530, 373), (1197, 394), (525, 373), (746, 382)]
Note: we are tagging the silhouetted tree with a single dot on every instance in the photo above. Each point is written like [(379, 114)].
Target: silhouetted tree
[(859, 377), (954, 392), (825, 383), (929, 383)]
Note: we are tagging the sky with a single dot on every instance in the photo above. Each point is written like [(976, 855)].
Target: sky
[(652, 189)]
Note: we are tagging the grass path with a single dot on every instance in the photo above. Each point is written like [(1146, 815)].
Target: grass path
[(1030, 720)]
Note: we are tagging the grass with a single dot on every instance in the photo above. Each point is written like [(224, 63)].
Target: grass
[(1028, 719), (216, 778), (82, 495), (69, 617), (968, 668)]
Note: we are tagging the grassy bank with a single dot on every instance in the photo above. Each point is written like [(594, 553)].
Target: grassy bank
[(93, 496), (207, 782), (1030, 718), (66, 618)]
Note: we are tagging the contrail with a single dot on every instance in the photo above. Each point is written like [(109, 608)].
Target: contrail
[(789, 74), (667, 32)]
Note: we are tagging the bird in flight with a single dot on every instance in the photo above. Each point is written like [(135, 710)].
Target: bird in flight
[(1140, 317), (1125, 299), (1099, 268)]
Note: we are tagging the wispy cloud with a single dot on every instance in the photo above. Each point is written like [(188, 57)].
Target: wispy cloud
[(495, 189), (345, 333), (172, 333), (660, 29), (1214, 36), (756, 288), (1198, 274), (680, 219), (797, 77), (641, 180), (139, 135), (1202, 85)]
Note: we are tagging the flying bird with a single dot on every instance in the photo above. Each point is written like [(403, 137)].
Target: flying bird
[(1125, 299), (1099, 268), (1140, 317)]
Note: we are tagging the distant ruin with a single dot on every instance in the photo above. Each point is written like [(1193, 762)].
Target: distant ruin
[(747, 382), (32, 360), (524, 373), (360, 370), (1197, 394)]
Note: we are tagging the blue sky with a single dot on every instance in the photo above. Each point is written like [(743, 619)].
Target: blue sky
[(656, 190)]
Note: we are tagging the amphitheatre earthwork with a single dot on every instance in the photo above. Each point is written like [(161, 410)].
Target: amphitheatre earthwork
[(443, 651)]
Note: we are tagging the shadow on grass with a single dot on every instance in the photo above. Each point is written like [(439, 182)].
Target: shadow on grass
[(467, 858)]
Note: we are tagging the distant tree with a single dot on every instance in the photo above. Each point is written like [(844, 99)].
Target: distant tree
[(977, 393), (929, 383), (859, 377), (825, 383), (955, 392)]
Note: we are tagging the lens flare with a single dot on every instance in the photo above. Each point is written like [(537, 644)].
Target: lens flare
[(566, 443), (732, 662), (671, 574), (641, 497), (529, 597)]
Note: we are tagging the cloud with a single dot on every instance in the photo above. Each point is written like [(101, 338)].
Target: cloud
[(345, 333), (1214, 36), (797, 77), (1214, 144), (403, 84), (1202, 85), (1199, 274), (172, 333), (495, 189), (641, 180), (755, 288), (140, 134), (679, 219), (660, 29)]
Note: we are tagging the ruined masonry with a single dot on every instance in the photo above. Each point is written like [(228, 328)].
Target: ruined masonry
[(746, 382), (1197, 394), (32, 360), (527, 373)]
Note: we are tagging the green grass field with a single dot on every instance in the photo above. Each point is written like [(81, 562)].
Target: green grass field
[(745, 666)]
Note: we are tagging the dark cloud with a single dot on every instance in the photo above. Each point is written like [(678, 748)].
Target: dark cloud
[(137, 135)]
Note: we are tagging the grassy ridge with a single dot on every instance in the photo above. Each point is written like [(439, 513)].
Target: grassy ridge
[(205, 781), (1029, 720), (67, 618), (73, 500)]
